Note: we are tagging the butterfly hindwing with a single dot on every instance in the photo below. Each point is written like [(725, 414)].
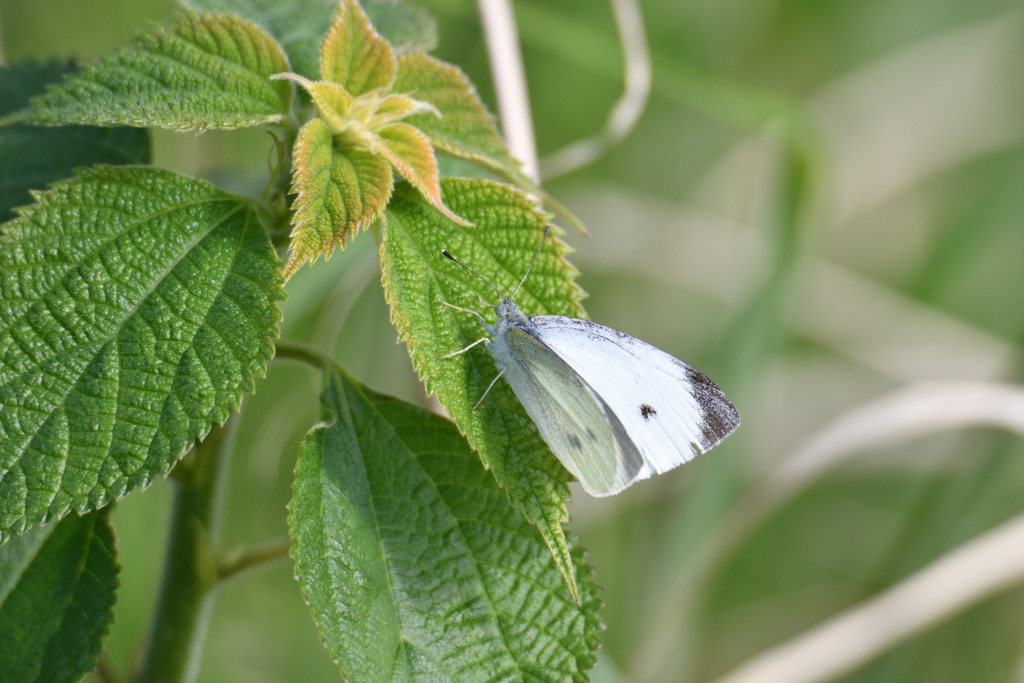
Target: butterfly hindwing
[(581, 429), (670, 411)]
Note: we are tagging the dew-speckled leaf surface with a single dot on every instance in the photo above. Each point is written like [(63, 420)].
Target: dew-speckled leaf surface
[(206, 71), (136, 307), (300, 25), (354, 55), (32, 157), (413, 563), (416, 276), (58, 587), (337, 192), (465, 128)]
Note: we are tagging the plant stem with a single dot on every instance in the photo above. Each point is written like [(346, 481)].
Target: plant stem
[(303, 353), (104, 671), (258, 555), (190, 572)]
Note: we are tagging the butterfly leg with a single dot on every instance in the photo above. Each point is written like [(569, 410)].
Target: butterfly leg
[(462, 351), (484, 303), (466, 310), (487, 391)]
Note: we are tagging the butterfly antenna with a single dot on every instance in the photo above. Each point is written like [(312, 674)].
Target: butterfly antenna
[(543, 239), (452, 258)]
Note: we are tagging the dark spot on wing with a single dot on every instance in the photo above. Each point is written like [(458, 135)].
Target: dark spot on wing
[(719, 416), (591, 435), (647, 411), (574, 441)]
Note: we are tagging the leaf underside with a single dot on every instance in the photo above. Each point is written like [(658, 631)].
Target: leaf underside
[(416, 277), (206, 71), (58, 587), (32, 157), (136, 307), (412, 562), (300, 25)]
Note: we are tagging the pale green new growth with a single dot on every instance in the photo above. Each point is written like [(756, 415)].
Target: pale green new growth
[(417, 277), (358, 117), (336, 193), (464, 128), (206, 71), (354, 55), (57, 594), (136, 307), (412, 562)]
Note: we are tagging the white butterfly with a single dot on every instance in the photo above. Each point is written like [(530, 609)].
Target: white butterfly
[(613, 409)]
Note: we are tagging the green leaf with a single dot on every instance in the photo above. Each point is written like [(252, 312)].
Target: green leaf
[(32, 157), (136, 306), (58, 587), (414, 565), (465, 128), (300, 25), (410, 153), (206, 71), (407, 27), (354, 55), (416, 277), (338, 191)]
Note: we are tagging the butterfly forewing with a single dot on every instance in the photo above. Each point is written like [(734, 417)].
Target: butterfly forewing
[(670, 411), (576, 423)]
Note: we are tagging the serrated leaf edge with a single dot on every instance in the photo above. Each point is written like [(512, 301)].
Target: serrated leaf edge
[(267, 348)]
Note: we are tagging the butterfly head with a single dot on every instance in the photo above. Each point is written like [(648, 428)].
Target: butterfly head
[(509, 316)]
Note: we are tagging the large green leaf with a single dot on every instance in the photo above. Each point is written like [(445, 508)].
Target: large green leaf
[(33, 157), (300, 25), (417, 277), (58, 587), (136, 306), (412, 561), (206, 71), (464, 128)]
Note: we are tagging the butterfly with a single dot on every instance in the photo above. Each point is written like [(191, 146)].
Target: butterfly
[(613, 409)]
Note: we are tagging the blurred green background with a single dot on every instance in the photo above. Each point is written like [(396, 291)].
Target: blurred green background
[(822, 202)]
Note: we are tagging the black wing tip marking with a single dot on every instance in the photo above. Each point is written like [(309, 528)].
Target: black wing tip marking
[(720, 418)]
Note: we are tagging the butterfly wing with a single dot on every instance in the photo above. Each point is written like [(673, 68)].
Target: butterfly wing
[(670, 411), (579, 427)]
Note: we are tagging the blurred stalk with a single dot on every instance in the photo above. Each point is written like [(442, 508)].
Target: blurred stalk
[(636, 58), (190, 570), (3, 57), (712, 94), (502, 38), (989, 564)]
